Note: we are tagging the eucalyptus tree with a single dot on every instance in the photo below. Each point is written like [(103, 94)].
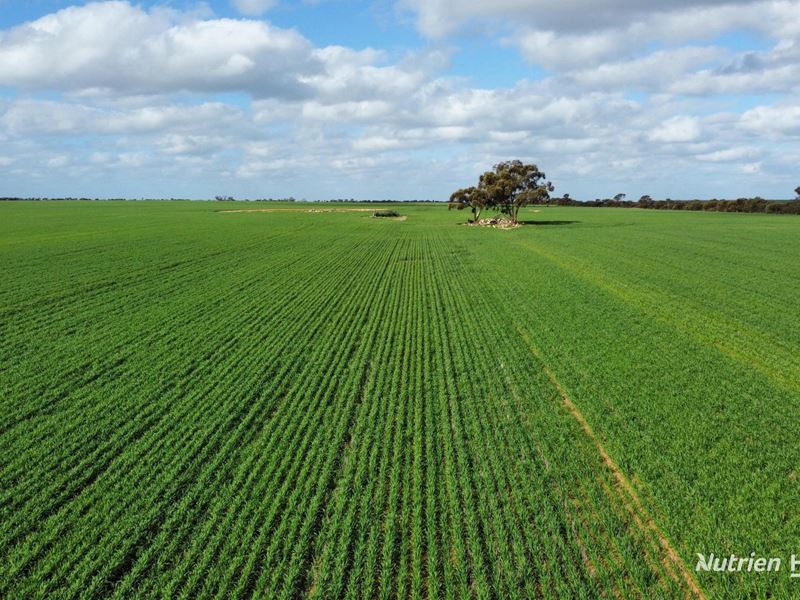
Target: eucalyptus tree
[(472, 197), (509, 186)]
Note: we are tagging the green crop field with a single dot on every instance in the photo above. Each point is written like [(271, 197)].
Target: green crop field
[(293, 403)]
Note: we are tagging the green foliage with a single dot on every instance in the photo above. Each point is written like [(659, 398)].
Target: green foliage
[(507, 188), (196, 405), (386, 213), (475, 198)]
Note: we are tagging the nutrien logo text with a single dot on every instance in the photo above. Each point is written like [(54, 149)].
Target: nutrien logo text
[(746, 564)]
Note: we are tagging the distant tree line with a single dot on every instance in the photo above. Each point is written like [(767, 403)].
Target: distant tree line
[(216, 198), (379, 201), (82, 199), (53, 199), (740, 205)]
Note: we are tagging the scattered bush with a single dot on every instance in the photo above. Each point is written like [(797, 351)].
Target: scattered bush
[(386, 213)]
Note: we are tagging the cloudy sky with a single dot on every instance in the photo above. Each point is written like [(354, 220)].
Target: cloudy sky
[(398, 98)]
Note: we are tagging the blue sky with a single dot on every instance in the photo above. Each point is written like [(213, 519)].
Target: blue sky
[(397, 98)]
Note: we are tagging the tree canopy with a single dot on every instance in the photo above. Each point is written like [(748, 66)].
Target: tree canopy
[(509, 186), (472, 197)]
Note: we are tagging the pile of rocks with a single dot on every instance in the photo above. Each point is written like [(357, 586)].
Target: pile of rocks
[(497, 223)]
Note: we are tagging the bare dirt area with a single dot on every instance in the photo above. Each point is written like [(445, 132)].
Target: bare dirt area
[(330, 210), (305, 210), (499, 223), (495, 223)]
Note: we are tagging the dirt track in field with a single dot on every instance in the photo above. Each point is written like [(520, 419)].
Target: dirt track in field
[(670, 559), (305, 210)]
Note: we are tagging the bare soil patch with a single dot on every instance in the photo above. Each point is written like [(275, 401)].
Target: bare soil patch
[(305, 210)]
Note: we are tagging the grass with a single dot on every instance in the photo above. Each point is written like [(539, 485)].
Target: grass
[(291, 404)]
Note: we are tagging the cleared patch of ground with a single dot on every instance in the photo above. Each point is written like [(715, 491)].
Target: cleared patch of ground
[(495, 223), (306, 210)]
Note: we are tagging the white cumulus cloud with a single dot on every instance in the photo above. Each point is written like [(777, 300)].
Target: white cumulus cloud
[(634, 89), (157, 51), (677, 130)]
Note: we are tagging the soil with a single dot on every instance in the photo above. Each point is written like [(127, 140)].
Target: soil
[(306, 210)]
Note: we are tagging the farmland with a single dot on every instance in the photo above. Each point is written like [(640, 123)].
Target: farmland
[(291, 404)]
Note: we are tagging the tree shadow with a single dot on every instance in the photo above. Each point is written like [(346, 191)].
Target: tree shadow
[(529, 222)]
